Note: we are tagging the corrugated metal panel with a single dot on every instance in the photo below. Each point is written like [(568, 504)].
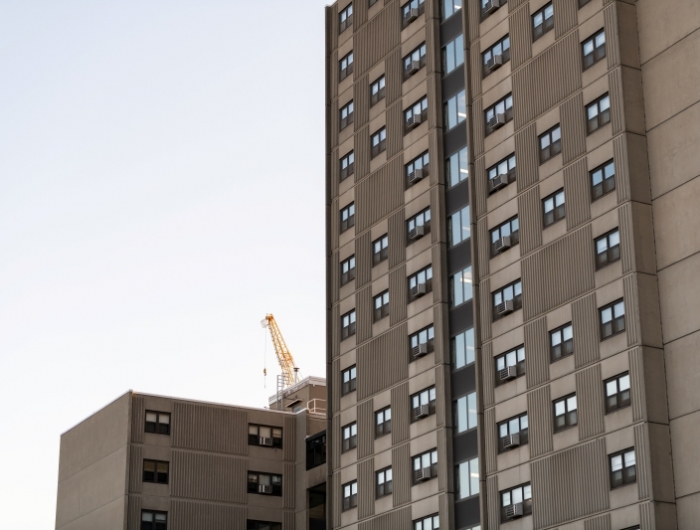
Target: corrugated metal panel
[(547, 80), (539, 409), (401, 470), (591, 410), (475, 68), (646, 516), (483, 241), (584, 316), (362, 153), (359, 17), (363, 260), (289, 522), (570, 484), (488, 375), (335, 331), (365, 313), (565, 16), (394, 77), (626, 227), (617, 101), (336, 387), (474, 20), (210, 477), (389, 521), (334, 440), (377, 38), (480, 186), (573, 128), (360, 96), (638, 387), (382, 362), (335, 280), (365, 429), (514, 4), (398, 295), (138, 418), (598, 523), (526, 158), (485, 303), (288, 485), (133, 516), (536, 352), (290, 437), (378, 195), (631, 309), (577, 190), (622, 179), (397, 238), (394, 131), (210, 428), (478, 127), (365, 488), (641, 448), (530, 217), (491, 440), (187, 515), (335, 224), (520, 23), (558, 273), (336, 499), (612, 39), (400, 414), (135, 468), (492, 499)]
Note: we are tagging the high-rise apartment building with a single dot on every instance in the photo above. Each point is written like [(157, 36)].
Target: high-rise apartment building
[(513, 238)]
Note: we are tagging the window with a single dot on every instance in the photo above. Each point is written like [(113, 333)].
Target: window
[(612, 319), (380, 250), (347, 217), (372, 2), (450, 7), (458, 226), (561, 342), (453, 55), (377, 91), (431, 522), (467, 479), (505, 236), (617, 392), (422, 342), (384, 482), (465, 413), (347, 165), (513, 433), (415, 115), (417, 169), (457, 167), (423, 404), (264, 436), (607, 249), (507, 299), (496, 56), (420, 283), (418, 225), (623, 468), (425, 466), (456, 110), (490, 6), (154, 471), (515, 502), (316, 450), (501, 174), (349, 495), (154, 520), (157, 422), (542, 21), (593, 49), (582, 3), (347, 270), (565, 413), (349, 380), (349, 437), (554, 207), (462, 348), (411, 11), (346, 66), (346, 18), (381, 306), (550, 144), (347, 115), (264, 483), (598, 113), (414, 61), (602, 180), (262, 525), (498, 114), (510, 365), (347, 325), (461, 287), (378, 142), (382, 422)]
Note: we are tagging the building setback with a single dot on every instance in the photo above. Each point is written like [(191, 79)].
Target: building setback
[(513, 325)]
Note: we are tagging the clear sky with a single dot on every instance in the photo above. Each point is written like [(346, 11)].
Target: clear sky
[(161, 189)]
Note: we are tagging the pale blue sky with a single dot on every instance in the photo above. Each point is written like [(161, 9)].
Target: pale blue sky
[(161, 189)]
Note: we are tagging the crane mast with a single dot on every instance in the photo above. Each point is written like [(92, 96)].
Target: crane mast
[(290, 373)]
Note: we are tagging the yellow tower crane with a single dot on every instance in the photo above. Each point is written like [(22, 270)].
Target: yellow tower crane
[(290, 373)]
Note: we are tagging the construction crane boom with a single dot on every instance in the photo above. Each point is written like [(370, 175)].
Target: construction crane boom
[(290, 373)]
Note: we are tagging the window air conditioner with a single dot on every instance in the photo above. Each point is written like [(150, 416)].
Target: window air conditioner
[(415, 176), (505, 307), (494, 63), (417, 232), (498, 121), (514, 510), (265, 488), (502, 244), (511, 441), (511, 372), (265, 441), (419, 290)]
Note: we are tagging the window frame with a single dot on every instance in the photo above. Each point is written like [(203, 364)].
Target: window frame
[(159, 427), (455, 8), (565, 347), (420, 524), (380, 146), (406, 12), (603, 185), (472, 465), (503, 362), (470, 415), (414, 222), (602, 116), (626, 478), (383, 254), (346, 276), (419, 459), (418, 110), (525, 489), (623, 398), (414, 349), (595, 54), (383, 427), (349, 501), (458, 219), (460, 171), (615, 319), (386, 487), (497, 233), (459, 297), (430, 393), (414, 61), (349, 110), (347, 331), (507, 102), (254, 439), (383, 310), (455, 110), (455, 349), (346, 71), (257, 524), (157, 474), (349, 386), (517, 298), (523, 432), (153, 522), (349, 221), (348, 437), (570, 415), (558, 211), (275, 481), (553, 147), (414, 291), (494, 172), (455, 48), (347, 22), (380, 94), (490, 54), (349, 169), (412, 167), (547, 23), (316, 450), (611, 253)]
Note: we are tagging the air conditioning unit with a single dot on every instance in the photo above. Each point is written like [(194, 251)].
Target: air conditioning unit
[(413, 67), (414, 121), (502, 244), (508, 373), (498, 121), (498, 182), (511, 441), (420, 475), (514, 510), (265, 488), (417, 232), (419, 290), (494, 63), (412, 15), (420, 350), (491, 6), (265, 441), (415, 176), (422, 411), (505, 307)]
